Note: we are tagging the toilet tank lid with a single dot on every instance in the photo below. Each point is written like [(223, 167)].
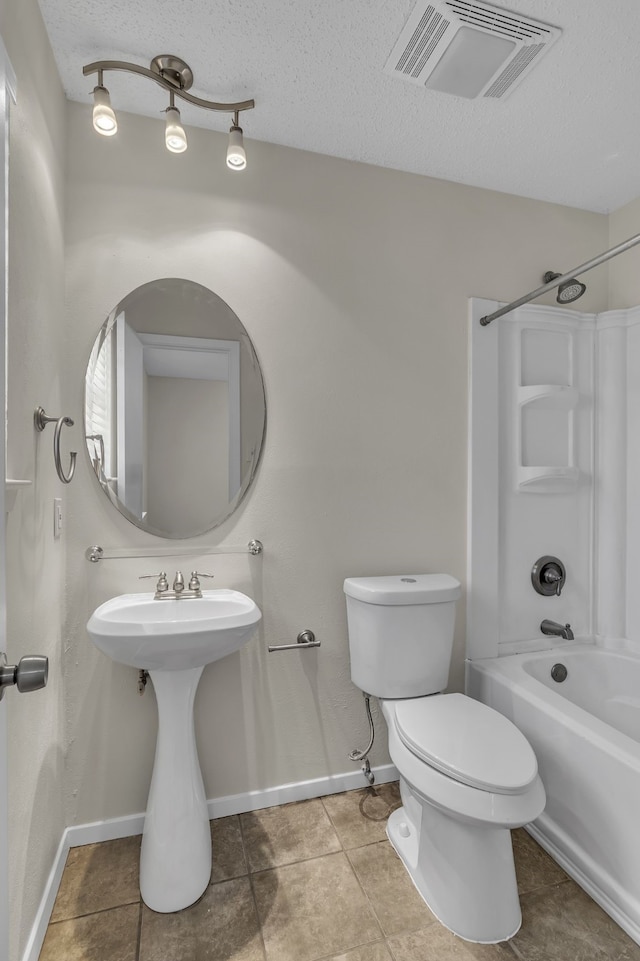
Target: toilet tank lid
[(404, 589)]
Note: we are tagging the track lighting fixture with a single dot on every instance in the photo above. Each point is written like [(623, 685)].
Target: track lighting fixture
[(176, 76), (236, 157)]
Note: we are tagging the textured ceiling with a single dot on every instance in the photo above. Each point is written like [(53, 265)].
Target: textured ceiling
[(570, 133)]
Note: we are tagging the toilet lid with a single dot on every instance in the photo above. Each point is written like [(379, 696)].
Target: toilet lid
[(467, 741)]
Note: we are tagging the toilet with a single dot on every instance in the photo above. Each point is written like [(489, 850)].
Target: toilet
[(467, 774)]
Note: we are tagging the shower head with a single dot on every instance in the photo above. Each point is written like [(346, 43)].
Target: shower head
[(569, 291)]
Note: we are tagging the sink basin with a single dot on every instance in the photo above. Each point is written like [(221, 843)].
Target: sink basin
[(174, 640), (171, 635)]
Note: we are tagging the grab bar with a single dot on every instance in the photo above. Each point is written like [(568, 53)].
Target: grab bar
[(40, 420)]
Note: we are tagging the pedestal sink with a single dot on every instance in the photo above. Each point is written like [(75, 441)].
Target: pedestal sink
[(174, 639)]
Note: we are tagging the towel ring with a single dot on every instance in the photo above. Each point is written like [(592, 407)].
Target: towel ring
[(40, 419)]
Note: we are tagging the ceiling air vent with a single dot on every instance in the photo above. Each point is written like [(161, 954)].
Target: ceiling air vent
[(470, 49)]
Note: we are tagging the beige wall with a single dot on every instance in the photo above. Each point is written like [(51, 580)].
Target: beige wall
[(352, 282), (624, 271), (35, 583)]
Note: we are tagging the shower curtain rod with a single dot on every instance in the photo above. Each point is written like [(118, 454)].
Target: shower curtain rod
[(570, 274)]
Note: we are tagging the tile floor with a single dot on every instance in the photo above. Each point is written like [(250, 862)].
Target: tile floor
[(309, 881)]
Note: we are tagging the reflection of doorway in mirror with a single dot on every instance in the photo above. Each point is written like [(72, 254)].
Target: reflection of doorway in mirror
[(194, 475), (171, 390)]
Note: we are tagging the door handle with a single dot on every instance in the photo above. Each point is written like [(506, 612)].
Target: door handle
[(29, 674)]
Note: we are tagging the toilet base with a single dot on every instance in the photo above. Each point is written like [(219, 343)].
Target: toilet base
[(464, 872)]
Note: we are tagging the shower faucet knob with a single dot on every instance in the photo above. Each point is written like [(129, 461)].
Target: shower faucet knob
[(553, 575), (548, 576)]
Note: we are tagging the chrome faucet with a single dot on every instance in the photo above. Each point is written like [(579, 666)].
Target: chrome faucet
[(557, 630), (179, 591)]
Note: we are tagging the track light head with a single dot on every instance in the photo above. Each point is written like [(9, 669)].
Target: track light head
[(104, 119), (174, 136), (236, 157)]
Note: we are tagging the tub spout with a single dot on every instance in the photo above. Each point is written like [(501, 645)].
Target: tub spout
[(557, 630)]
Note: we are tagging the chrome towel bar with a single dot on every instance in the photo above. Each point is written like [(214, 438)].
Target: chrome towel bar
[(96, 553)]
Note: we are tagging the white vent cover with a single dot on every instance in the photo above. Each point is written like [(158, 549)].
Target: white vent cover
[(468, 48)]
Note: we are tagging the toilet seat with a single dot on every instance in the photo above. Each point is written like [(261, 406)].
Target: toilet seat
[(457, 799), (467, 741)]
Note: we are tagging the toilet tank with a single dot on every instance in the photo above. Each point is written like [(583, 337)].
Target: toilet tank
[(401, 632)]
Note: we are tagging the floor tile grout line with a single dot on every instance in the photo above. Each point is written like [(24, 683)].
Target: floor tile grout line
[(542, 887), (301, 859), (139, 936), (396, 934), (287, 864), (88, 914), (253, 892), (312, 857), (546, 887), (389, 946), (242, 842), (366, 896), (331, 822), (514, 950), (354, 947)]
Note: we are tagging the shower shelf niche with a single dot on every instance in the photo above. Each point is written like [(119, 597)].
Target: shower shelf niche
[(545, 427)]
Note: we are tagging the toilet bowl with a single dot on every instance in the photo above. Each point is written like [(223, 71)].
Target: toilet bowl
[(467, 774)]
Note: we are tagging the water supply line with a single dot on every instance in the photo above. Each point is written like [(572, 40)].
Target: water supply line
[(561, 279), (357, 755)]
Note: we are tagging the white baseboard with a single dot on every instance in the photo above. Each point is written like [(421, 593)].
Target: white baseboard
[(125, 827), (39, 928), (298, 791)]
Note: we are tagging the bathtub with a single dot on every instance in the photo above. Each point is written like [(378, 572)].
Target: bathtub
[(585, 732)]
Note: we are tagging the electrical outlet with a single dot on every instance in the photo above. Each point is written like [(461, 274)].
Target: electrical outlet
[(57, 517)]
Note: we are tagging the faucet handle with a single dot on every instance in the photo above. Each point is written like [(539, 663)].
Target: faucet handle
[(162, 585), (553, 575), (194, 583)]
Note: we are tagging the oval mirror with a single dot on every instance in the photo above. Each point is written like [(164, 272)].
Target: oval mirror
[(174, 408)]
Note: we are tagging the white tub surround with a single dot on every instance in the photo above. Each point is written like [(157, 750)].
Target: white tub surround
[(585, 732), (554, 470), (554, 412), (531, 473)]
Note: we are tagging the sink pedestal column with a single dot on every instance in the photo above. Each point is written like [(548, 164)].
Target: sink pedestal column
[(175, 861)]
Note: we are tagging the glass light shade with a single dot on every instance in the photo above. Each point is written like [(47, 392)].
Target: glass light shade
[(236, 157), (174, 136), (104, 119)]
